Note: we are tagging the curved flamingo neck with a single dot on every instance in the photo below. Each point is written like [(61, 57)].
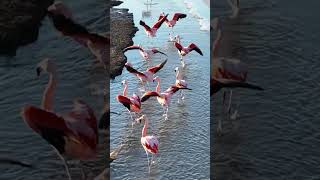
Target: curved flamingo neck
[(216, 43), (47, 98), (144, 129), (158, 86), (125, 90)]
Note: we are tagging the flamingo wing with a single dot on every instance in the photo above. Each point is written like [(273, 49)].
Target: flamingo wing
[(133, 71), (158, 24), (229, 83), (178, 46), (155, 51), (132, 48), (178, 16), (150, 143), (47, 124), (146, 27), (173, 89), (194, 47), (156, 68), (124, 100), (149, 94), (161, 16)]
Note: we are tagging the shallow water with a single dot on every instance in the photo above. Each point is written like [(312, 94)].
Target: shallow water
[(78, 77), (277, 133), (184, 137)]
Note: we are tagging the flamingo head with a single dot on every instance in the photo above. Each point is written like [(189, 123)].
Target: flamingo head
[(156, 79), (176, 69), (46, 65), (124, 82), (215, 23)]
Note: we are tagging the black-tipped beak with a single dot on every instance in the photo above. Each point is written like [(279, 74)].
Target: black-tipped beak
[(38, 71)]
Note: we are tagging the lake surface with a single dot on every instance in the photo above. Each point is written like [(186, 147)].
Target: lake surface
[(78, 76), (276, 135), (184, 138)]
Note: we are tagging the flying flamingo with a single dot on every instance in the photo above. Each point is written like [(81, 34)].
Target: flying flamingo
[(146, 76), (62, 19), (74, 134), (133, 103), (176, 17), (183, 51), (145, 53), (149, 143), (164, 97), (227, 73), (180, 82), (152, 31)]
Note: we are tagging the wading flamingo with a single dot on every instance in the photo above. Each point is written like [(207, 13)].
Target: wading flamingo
[(183, 51), (146, 76), (180, 82), (227, 73), (152, 31), (171, 23), (133, 103), (149, 143), (74, 134), (145, 53), (63, 21), (163, 98)]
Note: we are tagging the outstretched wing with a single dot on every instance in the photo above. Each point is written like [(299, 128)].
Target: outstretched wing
[(134, 47), (156, 68), (133, 71), (158, 24), (178, 46), (149, 94), (146, 27), (194, 47), (178, 16), (125, 101)]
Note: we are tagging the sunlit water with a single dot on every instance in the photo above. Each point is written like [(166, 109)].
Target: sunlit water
[(277, 133), (184, 137), (77, 77)]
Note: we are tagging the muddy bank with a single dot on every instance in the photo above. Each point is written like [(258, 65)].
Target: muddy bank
[(122, 30), (19, 23)]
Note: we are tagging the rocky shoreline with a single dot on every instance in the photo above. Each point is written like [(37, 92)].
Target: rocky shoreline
[(20, 22), (122, 30)]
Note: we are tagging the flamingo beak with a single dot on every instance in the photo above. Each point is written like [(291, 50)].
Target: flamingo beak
[(38, 71)]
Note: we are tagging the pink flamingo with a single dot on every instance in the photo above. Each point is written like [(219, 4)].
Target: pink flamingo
[(152, 31), (146, 76), (149, 143), (176, 17), (145, 53), (74, 134), (180, 82), (62, 19), (163, 98), (183, 51), (133, 103)]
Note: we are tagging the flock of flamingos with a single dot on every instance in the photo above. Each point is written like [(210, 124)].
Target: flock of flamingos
[(150, 143), (74, 134), (227, 73)]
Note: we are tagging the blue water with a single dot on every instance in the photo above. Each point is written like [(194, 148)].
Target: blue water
[(184, 138)]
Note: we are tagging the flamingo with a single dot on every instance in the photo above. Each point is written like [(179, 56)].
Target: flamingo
[(176, 17), (145, 53), (146, 76), (74, 134), (133, 103), (234, 7), (149, 143), (163, 98), (183, 51), (152, 31), (62, 20), (180, 82)]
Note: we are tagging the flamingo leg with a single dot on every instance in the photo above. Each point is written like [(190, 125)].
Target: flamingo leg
[(148, 161), (64, 162), (229, 106)]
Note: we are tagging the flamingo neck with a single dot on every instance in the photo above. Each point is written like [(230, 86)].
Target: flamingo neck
[(144, 129), (158, 86), (178, 75), (216, 43), (47, 98), (125, 90)]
